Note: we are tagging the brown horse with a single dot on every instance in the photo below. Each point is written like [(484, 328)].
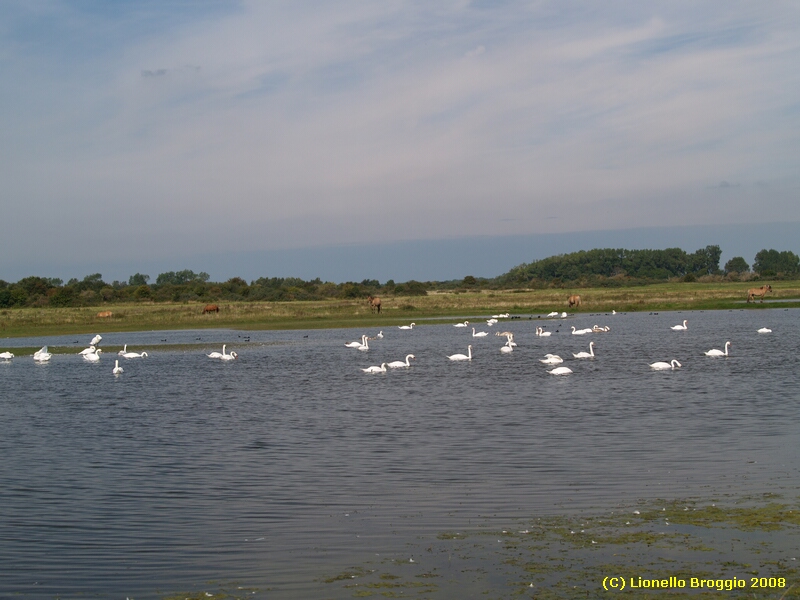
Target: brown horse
[(374, 303), (209, 308), (761, 291), (574, 300), (106, 314)]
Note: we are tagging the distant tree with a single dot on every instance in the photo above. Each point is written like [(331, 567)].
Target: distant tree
[(182, 277), (772, 261), (470, 281), (706, 260), (736, 265), (411, 288), (138, 279)]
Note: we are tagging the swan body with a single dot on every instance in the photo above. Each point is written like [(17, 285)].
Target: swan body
[(464, 324), (580, 331), (551, 359), (552, 314), (217, 354), (380, 335), (365, 346), (491, 322), (542, 333), (144, 354), (589, 354), (663, 366), (89, 350), (93, 357), (508, 348), (124, 350), (479, 334), (117, 369), (467, 356), (765, 330), (680, 327), (381, 369), (356, 344), (715, 352), (6, 355), (95, 340), (42, 355), (563, 315), (406, 326), (598, 329), (231, 356), (560, 371), (397, 364)]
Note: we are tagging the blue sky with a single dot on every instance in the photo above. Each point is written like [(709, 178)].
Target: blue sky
[(392, 139)]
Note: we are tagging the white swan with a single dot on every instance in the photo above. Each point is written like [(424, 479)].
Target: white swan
[(406, 326), (598, 329), (231, 356), (479, 334), (491, 322), (365, 346), (42, 355), (124, 350), (397, 364), (117, 369), (508, 348), (217, 354), (93, 357), (380, 335), (560, 371), (542, 333), (680, 327), (552, 314), (89, 350), (381, 369), (144, 354), (467, 356), (464, 324), (589, 354), (715, 352), (356, 344), (765, 330), (95, 340), (663, 366), (6, 355), (563, 315), (580, 331), (551, 359)]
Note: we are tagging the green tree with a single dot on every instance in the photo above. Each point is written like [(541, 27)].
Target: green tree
[(138, 279), (786, 262), (736, 265)]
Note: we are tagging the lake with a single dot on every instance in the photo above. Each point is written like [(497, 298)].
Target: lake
[(279, 470)]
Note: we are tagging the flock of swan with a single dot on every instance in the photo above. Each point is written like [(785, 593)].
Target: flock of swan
[(551, 360)]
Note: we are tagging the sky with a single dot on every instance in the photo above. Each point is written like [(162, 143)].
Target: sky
[(390, 139)]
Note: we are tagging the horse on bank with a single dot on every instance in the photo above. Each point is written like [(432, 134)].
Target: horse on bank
[(374, 304), (760, 291), (574, 300)]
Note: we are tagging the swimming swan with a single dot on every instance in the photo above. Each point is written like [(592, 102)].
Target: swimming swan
[(464, 324), (117, 369), (381, 369), (231, 356), (715, 352), (765, 330), (356, 344), (217, 354), (663, 366), (580, 331), (680, 327), (124, 350), (467, 356), (479, 334), (380, 335), (589, 354), (560, 371), (542, 333), (551, 359), (6, 355), (89, 350), (93, 357), (143, 355), (399, 363), (42, 355), (552, 314), (508, 348), (406, 326), (365, 346)]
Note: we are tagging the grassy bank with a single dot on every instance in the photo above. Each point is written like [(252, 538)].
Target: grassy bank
[(396, 310)]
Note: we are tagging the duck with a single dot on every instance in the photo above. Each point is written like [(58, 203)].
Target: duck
[(715, 352), (381, 369), (397, 364), (589, 354), (467, 356), (663, 366), (117, 369), (560, 371), (680, 327)]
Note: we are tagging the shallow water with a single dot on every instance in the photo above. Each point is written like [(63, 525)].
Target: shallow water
[(289, 463)]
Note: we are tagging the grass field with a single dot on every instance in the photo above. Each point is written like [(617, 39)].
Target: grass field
[(396, 310)]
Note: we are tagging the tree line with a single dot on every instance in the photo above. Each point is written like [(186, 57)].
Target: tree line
[(599, 268)]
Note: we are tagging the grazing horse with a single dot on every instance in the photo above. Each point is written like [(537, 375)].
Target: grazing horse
[(753, 292), (209, 308), (573, 300), (374, 303), (106, 314)]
